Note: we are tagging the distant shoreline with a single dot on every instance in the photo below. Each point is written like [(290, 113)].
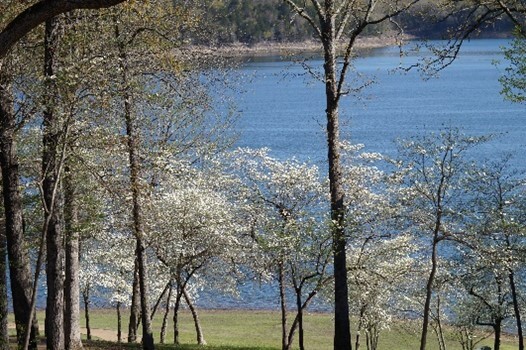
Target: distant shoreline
[(293, 48)]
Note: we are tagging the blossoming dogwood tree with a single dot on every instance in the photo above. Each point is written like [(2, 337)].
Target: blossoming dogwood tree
[(288, 201)]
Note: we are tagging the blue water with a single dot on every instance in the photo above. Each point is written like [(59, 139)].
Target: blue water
[(283, 108)]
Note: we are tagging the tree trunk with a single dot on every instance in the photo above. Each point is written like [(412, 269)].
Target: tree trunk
[(198, 330), (85, 297), (119, 323), (19, 269), (516, 309), (159, 300), (342, 327), (135, 310), (498, 329), (4, 335), (166, 311), (359, 328), (147, 334), (72, 284), (285, 345), (429, 294), (299, 306), (135, 186), (176, 312), (54, 239)]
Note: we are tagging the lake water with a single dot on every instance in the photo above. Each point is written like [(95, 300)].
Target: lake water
[(283, 108)]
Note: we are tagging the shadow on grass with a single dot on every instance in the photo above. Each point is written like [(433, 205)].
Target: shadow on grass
[(106, 345)]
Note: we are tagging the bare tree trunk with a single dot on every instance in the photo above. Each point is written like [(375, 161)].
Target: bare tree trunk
[(85, 297), (119, 323), (342, 327), (283, 304), (72, 284), (166, 311), (4, 335), (135, 310), (198, 330), (516, 309), (440, 331), (299, 306), (176, 312), (54, 237), (19, 269), (429, 294), (135, 186), (159, 300), (359, 328), (498, 330)]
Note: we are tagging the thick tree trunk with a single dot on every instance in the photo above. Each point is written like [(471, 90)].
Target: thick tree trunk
[(342, 328), (147, 334), (198, 329), (4, 335), (50, 164), (429, 294), (72, 284), (516, 309), (19, 270), (135, 310)]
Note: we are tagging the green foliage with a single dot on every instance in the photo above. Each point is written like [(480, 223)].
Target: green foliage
[(514, 80)]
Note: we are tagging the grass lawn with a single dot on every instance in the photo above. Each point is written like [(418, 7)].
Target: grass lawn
[(259, 330)]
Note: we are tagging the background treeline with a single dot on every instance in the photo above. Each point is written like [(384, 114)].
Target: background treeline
[(251, 22)]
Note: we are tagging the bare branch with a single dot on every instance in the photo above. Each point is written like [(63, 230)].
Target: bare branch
[(301, 11)]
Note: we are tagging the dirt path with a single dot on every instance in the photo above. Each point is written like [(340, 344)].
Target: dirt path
[(104, 334)]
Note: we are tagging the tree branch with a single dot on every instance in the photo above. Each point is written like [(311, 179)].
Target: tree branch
[(38, 13)]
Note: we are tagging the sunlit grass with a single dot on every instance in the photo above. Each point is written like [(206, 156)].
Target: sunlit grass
[(260, 330)]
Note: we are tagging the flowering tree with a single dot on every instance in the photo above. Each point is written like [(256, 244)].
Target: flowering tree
[(432, 170), (288, 203), (380, 257), (497, 243), (193, 228)]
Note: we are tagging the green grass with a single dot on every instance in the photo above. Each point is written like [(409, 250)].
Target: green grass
[(260, 330)]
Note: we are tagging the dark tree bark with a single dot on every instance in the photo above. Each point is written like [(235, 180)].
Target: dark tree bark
[(52, 137), (85, 298), (19, 270), (176, 312), (283, 306), (119, 323), (39, 13), (135, 309), (132, 134), (497, 328), (72, 283), (516, 309), (342, 327), (4, 335), (429, 294), (299, 306)]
